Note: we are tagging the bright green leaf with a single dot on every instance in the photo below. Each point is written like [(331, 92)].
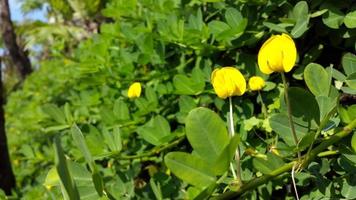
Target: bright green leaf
[(207, 133), (317, 79), (350, 19), (190, 168), (349, 63), (300, 13), (155, 130)]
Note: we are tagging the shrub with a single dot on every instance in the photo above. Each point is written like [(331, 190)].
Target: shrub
[(172, 142)]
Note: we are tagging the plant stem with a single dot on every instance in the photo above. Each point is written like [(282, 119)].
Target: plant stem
[(237, 176), (328, 153), (290, 117), (254, 183), (294, 185), (263, 105), (145, 155)]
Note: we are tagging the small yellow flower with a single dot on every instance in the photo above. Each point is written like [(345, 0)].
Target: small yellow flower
[(134, 90), (277, 54), (256, 83), (227, 82)]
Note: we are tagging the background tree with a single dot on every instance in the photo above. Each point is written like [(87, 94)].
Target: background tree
[(16, 53)]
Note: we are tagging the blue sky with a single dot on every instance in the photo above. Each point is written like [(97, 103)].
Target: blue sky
[(17, 15)]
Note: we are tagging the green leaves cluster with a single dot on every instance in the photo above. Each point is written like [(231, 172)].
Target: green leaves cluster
[(172, 141)]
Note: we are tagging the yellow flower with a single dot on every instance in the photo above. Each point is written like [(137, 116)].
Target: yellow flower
[(227, 82), (277, 54), (256, 83), (134, 90)]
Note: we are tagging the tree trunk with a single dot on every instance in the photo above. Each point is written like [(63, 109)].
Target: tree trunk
[(17, 55), (7, 178)]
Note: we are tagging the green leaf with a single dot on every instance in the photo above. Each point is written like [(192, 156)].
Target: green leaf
[(318, 13), (63, 171), (52, 178), (350, 19), (306, 141), (217, 27), (266, 166), (233, 17), (303, 105), (82, 146), (269, 86), (349, 63), (151, 96), (55, 113), (84, 181), (68, 114), (121, 111), (186, 103), (56, 128), (190, 168), (347, 114), (348, 90), (338, 75), (98, 182), (301, 15), (155, 130), (280, 124), (317, 79), (222, 163), (353, 142), (326, 106), (187, 86), (207, 133), (156, 188), (274, 27), (235, 20), (334, 17), (349, 187), (351, 80)]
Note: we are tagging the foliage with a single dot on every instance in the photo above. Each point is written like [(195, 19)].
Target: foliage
[(73, 130)]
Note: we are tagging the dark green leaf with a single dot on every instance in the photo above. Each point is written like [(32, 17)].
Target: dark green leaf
[(280, 124), (63, 171)]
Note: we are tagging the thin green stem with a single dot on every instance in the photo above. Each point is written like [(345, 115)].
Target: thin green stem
[(328, 153), (322, 124), (254, 183), (237, 153), (263, 105), (145, 155), (290, 117), (294, 185)]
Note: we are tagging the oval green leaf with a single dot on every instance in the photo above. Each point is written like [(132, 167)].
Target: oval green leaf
[(207, 133), (190, 168)]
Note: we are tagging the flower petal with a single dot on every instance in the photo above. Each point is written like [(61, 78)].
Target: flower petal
[(289, 52)]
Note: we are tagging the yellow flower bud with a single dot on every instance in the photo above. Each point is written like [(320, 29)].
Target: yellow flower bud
[(256, 83), (134, 90), (227, 82), (277, 54)]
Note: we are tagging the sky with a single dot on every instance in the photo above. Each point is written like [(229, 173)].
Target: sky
[(17, 15)]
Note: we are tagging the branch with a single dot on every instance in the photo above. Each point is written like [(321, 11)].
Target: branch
[(287, 167)]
